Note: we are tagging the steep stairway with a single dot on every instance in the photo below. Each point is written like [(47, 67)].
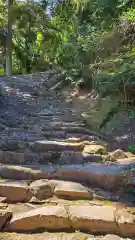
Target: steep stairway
[(57, 178)]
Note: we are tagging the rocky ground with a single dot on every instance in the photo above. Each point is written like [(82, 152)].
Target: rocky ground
[(57, 178)]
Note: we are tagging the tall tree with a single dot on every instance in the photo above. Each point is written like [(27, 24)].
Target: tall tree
[(9, 41)]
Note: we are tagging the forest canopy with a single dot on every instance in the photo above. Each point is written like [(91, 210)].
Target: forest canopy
[(92, 40)]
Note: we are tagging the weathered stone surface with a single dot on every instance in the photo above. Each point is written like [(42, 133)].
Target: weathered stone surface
[(83, 137), (46, 236), (129, 161), (71, 157), (103, 175), (4, 216), (3, 199), (42, 146), (21, 173), (48, 217), (125, 222), (93, 218), (95, 148), (42, 189), (15, 191), (68, 129), (13, 144), (111, 237), (7, 157), (58, 134), (73, 140), (89, 157), (117, 154), (72, 190), (20, 207)]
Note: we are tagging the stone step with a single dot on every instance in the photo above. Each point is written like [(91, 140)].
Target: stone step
[(18, 140), (88, 147), (38, 191), (66, 157), (53, 135), (52, 177), (56, 146), (57, 236), (83, 137), (102, 175), (11, 157), (69, 129), (92, 219)]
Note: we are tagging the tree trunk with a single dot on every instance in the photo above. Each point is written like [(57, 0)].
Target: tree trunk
[(9, 42)]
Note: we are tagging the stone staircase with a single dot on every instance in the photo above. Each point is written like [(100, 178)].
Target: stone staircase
[(57, 178)]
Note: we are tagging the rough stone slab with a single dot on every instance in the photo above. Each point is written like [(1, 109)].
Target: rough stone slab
[(83, 217), (117, 154), (72, 190), (47, 236), (48, 217), (3, 199), (97, 148), (28, 172), (43, 146), (111, 237), (15, 191), (20, 207), (57, 124), (83, 137), (4, 216), (97, 158), (99, 219), (12, 144), (125, 222), (42, 189), (67, 129), (8, 157), (58, 134), (71, 157), (104, 175)]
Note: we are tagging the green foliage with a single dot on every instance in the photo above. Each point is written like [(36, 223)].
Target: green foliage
[(92, 40)]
